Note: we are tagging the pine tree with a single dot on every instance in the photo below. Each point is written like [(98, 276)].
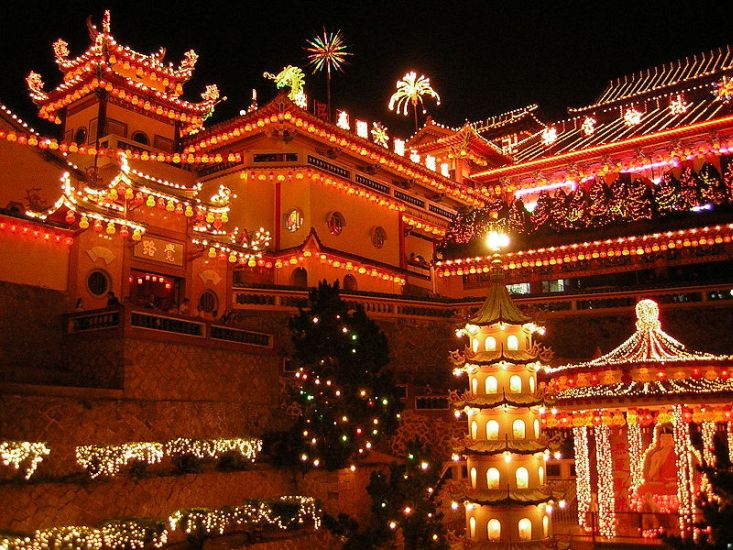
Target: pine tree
[(666, 194), (403, 500), (559, 210), (715, 526), (689, 190), (344, 392), (541, 214), (518, 218), (577, 210), (711, 186), (639, 201), (600, 199), (617, 204)]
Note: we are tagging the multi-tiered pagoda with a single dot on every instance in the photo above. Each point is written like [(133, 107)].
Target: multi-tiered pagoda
[(507, 501)]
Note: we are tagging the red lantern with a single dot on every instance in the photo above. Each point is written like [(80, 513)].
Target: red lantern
[(98, 226), (70, 217), (124, 232)]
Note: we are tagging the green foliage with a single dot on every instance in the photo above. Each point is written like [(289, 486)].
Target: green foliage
[(404, 496), (344, 392), (716, 513)]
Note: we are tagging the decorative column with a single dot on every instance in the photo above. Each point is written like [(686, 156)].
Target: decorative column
[(636, 464), (582, 473), (685, 487), (729, 427), (604, 465)]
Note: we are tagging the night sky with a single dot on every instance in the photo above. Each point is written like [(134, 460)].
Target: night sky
[(483, 57)]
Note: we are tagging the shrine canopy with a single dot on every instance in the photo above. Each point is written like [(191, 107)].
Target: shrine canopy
[(651, 367)]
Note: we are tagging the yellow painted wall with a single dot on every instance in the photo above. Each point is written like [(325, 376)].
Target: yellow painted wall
[(29, 260), (23, 169), (97, 251)]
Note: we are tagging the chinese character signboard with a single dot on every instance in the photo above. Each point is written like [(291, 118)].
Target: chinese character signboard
[(159, 250)]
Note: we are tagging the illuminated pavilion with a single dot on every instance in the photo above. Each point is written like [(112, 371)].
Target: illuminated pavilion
[(637, 406)]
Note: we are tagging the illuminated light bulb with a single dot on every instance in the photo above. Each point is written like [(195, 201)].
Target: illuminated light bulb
[(407, 510), (507, 456), (352, 468), (316, 463), (424, 465), (392, 525), (455, 457), (454, 505)]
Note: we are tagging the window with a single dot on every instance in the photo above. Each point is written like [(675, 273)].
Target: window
[(293, 220), (378, 236), (492, 478), (519, 288), (546, 526), (536, 428), (336, 223), (531, 384), (98, 283), (490, 343), (525, 529), (491, 385), (475, 343), (494, 529), (474, 385), (474, 429), (140, 137), (473, 477), (515, 384), (512, 343), (492, 429), (299, 278), (208, 302), (472, 526), (519, 430), (349, 282), (80, 137), (541, 475), (522, 478)]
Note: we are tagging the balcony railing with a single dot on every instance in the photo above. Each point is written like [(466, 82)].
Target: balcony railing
[(126, 319), (279, 298)]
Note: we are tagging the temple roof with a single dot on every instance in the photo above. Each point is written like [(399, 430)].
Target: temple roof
[(495, 447), (653, 389), (497, 400), (509, 496), (498, 306), (648, 346)]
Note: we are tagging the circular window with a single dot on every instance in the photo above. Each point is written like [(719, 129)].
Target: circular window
[(208, 302), (80, 136), (293, 220), (140, 137), (336, 223), (98, 283), (379, 235)]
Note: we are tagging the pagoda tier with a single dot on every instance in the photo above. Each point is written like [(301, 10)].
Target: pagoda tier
[(507, 499), (137, 81)]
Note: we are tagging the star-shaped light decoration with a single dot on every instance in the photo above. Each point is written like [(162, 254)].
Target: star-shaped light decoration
[(380, 135), (589, 126), (549, 135)]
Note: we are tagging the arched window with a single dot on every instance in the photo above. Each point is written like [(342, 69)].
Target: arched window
[(491, 385), (531, 384), (140, 137), (475, 344), (474, 429), (494, 529), (474, 385), (546, 526), (541, 474), (519, 430), (515, 384), (490, 344), (349, 282), (299, 278), (492, 478), (472, 526), (536, 428), (525, 529), (473, 477), (522, 478), (512, 343), (492, 430)]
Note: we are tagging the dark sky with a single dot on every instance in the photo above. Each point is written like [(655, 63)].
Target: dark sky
[(483, 57)]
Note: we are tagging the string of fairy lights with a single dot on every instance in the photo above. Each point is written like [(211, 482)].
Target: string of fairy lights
[(684, 464), (636, 466), (25, 455), (582, 473), (109, 460), (284, 513), (606, 493)]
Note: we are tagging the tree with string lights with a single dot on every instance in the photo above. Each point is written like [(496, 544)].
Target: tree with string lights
[(342, 391), (410, 92)]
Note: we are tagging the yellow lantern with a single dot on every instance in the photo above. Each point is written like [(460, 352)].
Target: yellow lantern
[(111, 228), (150, 201), (83, 223), (137, 235), (212, 252)]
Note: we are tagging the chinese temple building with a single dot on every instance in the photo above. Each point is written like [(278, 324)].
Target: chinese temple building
[(508, 500), (151, 258), (637, 405)]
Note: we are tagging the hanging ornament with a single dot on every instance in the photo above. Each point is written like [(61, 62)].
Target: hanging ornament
[(161, 203), (179, 209), (251, 262), (217, 223), (124, 232), (70, 217), (212, 252), (170, 206), (224, 217), (137, 235), (189, 211), (112, 195), (111, 229), (83, 223), (129, 193), (150, 202), (210, 218), (232, 258), (98, 226)]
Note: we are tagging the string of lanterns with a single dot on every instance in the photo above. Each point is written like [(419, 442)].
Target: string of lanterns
[(24, 229), (339, 263)]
